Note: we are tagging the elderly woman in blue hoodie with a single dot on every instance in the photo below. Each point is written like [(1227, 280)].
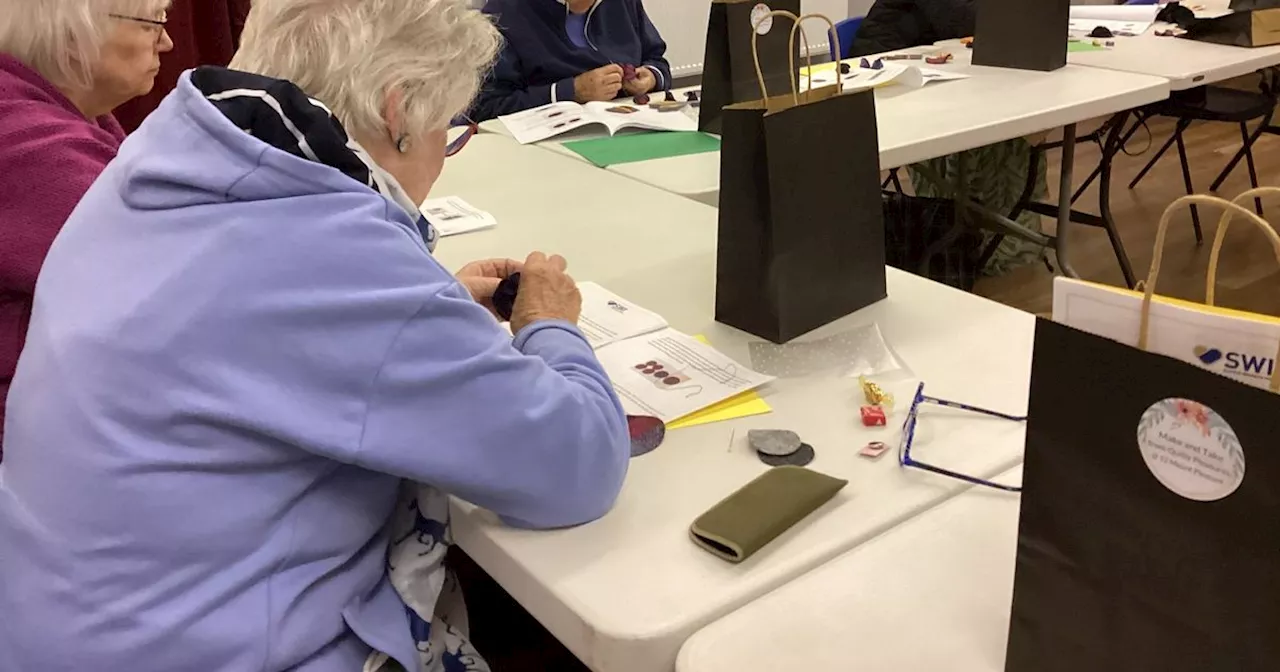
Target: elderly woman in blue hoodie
[(242, 346), (559, 50)]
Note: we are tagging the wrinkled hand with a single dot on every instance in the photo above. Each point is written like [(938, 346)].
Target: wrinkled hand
[(601, 84), (546, 293), (481, 278), (643, 83)]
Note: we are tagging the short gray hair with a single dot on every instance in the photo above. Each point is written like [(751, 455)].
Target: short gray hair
[(349, 54), (62, 39)]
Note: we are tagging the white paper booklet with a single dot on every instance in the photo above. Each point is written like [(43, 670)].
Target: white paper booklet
[(910, 76), (551, 120), (452, 215), (657, 370), (1123, 20), (1240, 346), (607, 317), (668, 375)]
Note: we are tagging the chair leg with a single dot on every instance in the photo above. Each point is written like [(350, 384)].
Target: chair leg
[(1246, 150), (1253, 173), (1109, 149), (892, 179), (1098, 169), (1186, 179), (1143, 173)]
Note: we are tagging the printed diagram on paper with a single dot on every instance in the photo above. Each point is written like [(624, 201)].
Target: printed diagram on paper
[(668, 374)]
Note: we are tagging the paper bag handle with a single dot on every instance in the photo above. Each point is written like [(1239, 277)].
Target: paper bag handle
[(1230, 210), (791, 52), (1211, 282)]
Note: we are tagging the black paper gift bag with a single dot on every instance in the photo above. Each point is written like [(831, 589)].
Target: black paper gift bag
[(801, 238), (1250, 25), (1149, 537), (1022, 34), (728, 69)]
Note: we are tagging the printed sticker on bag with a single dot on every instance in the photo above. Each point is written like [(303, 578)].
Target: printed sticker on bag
[(1191, 450), (762, 18)]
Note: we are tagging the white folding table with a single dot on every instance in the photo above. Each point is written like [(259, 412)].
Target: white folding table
[(1185, 63), (993, 104), (929, 595), (623, 593)]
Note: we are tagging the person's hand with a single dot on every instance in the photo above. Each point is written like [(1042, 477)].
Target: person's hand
[(643, 83), (546, 293), (481, 278), (599, 84)]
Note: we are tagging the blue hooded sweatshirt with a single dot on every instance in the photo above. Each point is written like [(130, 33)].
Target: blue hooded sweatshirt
[(540, 59), (235, 357)]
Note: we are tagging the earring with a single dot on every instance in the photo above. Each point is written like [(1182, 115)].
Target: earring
[(402, 145)]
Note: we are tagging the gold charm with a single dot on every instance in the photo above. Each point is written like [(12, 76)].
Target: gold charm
[(876, 396)]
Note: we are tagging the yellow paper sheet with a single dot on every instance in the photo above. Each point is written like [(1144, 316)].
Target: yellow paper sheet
[(743, 405), (820, 68)]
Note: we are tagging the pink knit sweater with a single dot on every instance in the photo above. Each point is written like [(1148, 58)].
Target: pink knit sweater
[(49, 155)]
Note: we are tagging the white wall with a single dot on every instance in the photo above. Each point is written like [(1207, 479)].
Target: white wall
[(859, 7), (683, 24)]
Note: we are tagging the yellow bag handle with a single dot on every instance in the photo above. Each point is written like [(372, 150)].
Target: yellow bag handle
[(1230, 210), (791, 52)]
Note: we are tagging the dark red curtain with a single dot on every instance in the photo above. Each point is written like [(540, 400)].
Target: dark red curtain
[(204, 32)]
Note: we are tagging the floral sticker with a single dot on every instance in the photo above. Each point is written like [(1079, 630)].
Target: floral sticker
[(1191, 450), (762, 18)]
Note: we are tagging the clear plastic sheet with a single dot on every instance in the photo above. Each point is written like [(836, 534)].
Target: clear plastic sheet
[(861, 351)]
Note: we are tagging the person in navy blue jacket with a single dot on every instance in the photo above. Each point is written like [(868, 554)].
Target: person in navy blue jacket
[(571, 50)]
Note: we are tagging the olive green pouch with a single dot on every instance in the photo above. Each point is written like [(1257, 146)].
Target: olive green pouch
[(759, 511)]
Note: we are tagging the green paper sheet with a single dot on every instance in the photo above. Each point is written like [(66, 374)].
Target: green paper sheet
[(632, 147), (1075, 46)]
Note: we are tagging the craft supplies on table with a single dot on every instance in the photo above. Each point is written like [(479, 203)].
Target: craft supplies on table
[(548, 121)]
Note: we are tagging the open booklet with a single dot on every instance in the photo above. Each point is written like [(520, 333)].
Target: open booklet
[(657, 370), (889, 73), (551, 120)]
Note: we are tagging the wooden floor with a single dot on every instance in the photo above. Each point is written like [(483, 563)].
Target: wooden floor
[(1249, 274)]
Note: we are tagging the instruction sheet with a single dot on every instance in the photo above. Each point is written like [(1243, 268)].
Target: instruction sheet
[(668, 374)]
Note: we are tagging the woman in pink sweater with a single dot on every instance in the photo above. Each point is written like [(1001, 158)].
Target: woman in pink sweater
[(64, 65)]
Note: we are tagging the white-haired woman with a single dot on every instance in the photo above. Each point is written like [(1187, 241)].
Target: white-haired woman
[(64, 66), (242, 348)]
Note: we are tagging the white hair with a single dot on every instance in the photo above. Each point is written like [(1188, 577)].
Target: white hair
[(61, 39), (350, 54)]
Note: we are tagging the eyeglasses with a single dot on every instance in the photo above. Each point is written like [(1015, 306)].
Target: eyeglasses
[(909, 431), (151, 22), (461, 141)]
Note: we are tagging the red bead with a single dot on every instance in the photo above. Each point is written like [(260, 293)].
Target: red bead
[(873, 416)]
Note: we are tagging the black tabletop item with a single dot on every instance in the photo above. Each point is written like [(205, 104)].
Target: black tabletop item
[(504, 298), (1101, 31)]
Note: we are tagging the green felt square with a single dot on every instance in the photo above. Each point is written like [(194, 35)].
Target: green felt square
[(633, 147)]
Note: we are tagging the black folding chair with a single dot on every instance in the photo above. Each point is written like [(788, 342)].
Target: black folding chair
[(1220, 104)]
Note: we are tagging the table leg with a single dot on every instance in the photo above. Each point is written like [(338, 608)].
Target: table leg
[(1110, 148), (1064, 199)]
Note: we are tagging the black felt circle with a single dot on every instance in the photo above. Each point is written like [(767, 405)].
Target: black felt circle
[(799, 458)]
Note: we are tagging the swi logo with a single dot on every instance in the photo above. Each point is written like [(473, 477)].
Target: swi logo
[(1208, 355), (1242, 363)]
